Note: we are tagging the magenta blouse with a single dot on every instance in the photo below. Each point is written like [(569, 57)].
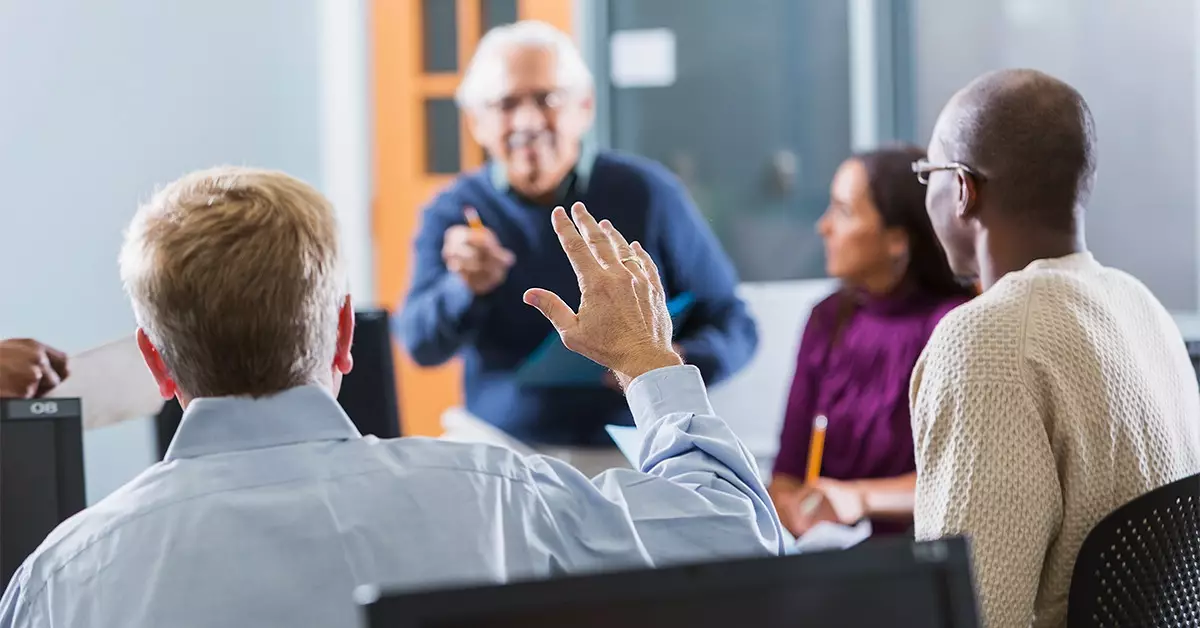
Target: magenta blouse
[(860, 383)]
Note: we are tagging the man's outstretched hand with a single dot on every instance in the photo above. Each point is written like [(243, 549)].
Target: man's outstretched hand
[(623, 322), (29, 368)]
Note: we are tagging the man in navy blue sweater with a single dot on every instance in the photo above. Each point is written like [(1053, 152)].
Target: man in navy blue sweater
[(528, 98)]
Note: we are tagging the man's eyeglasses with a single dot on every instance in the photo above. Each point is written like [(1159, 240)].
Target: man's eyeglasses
[(923, 168), (544, 101)]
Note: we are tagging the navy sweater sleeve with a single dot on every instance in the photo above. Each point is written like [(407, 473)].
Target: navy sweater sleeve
[(719, 336), (440, 312)]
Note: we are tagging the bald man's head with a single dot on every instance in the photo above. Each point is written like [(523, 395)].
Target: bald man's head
[(1030, 136)]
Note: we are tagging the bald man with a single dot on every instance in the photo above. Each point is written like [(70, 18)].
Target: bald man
[(1064, 390)]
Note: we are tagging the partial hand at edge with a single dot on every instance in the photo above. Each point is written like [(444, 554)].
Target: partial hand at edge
[(623, 322), (29, 368)]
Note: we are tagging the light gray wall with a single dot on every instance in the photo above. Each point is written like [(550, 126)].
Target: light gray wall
[(1135, 63), (100, 102), (753, 401)]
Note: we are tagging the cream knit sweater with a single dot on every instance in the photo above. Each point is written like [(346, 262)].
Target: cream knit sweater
[(1038, 408)]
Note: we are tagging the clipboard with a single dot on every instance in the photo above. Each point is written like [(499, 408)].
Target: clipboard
[(553, 365)]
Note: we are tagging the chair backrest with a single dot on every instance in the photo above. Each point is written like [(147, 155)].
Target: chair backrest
[(886, 582), (41, 474), (1140, 566), (369, 391)]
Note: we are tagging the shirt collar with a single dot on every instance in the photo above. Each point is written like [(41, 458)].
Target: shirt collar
[(1074, 261), (227, 424), (579, 175)]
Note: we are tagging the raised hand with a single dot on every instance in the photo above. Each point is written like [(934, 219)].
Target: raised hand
[(623, 322)]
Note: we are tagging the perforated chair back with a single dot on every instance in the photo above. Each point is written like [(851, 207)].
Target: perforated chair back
[(1140, 566)]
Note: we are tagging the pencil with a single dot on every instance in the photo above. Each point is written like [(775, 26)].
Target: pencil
[(473, 218), (816, 449)]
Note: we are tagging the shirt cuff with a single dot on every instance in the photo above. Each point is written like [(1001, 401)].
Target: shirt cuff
[(665, 391)]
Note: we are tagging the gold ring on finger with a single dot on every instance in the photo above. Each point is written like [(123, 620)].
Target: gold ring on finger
[(635, 260)]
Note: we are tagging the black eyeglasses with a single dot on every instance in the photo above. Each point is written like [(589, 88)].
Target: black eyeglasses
[(922, 168)]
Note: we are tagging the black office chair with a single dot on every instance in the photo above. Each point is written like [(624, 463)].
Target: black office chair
[(1140, 566)]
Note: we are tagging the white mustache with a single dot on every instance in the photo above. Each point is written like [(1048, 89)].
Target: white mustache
[(522, 139)]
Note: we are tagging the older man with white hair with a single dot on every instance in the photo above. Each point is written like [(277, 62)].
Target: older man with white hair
[(270, 508), (527, 95)]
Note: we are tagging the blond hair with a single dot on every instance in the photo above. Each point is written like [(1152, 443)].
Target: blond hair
[(235, 276)]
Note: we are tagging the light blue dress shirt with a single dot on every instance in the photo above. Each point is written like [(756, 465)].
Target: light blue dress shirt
[(271, 512)]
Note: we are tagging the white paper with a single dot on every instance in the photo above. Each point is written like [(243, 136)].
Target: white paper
[(642, 58), (827, 535), (113, 384), (628, 441)]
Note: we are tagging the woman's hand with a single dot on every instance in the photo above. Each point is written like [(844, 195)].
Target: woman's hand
[(832, 500), (801, 506)]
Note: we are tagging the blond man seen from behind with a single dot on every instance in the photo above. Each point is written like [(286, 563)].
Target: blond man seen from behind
[(270, 508)]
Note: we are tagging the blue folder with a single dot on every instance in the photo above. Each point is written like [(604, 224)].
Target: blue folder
[(554, 365)]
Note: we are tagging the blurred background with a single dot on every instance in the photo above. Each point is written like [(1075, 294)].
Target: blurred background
[(753, 103)]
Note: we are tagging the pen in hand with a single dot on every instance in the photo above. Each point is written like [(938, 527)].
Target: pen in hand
[(473, 218), (816, 450), (475, 254)]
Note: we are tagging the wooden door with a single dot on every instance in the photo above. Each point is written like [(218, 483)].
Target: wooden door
[(420, 49)]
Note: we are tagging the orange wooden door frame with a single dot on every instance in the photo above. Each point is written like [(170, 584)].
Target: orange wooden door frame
[(402, 185)]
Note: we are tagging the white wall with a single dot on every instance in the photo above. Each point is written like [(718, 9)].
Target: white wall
[(346, 132), (105, 100), (753, 401)]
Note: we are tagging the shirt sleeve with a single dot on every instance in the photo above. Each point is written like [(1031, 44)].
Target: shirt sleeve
[(440, 312), (16, 610), (985, 469), (697, 496), (719, 336)]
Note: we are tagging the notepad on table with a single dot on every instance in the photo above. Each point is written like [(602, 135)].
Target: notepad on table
[(827, 535), (554, 365)]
